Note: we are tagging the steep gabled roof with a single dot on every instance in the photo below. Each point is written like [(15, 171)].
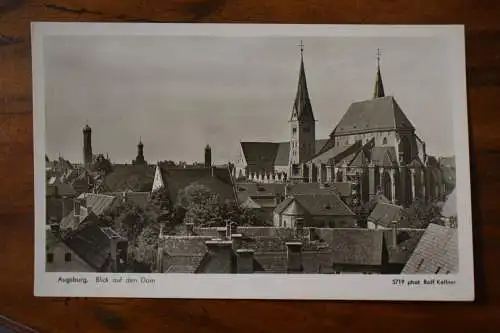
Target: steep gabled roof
[(375, 114), (436, 252), (92, 243), (260, 153)]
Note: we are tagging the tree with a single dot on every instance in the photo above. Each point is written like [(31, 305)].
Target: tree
[(421, 214), (146, 247), (102, 164), (127, 219), (199, 205)]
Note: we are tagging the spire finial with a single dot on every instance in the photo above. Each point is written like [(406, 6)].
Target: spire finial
[(379, 86), (301, 45)]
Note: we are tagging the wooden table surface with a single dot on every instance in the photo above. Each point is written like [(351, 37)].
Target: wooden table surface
[(482, 20)]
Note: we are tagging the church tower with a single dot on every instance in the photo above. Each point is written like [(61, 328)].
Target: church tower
[(302, 124), (140, 154), (87, 146), (208, 156)]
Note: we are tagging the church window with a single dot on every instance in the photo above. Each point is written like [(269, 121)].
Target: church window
[(294, 130), (384, 141)]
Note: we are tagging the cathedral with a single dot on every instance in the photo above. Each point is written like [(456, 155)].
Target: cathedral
[(374, 146)]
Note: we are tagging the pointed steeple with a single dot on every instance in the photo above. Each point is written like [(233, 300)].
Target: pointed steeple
[(379, 86), (302, 108)]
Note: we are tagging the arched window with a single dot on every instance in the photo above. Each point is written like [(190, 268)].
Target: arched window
[(384, 141)]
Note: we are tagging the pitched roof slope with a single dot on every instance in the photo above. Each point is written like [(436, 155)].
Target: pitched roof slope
[(217, 180), (137, 178), (260, 153), (317, 204), (375, 114), (283, 153), (436, 253), (98, 203), (385, 213), (92, 244), (356, 246)]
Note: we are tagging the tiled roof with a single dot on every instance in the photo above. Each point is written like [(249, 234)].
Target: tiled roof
[(356, 246), (177, 179), (320, 205), (268, 154), (183, 254), (98, 203), (260, 154), (375, 114), (182, 264), (139, 199), (137, 178), (260, 202), (385, 213), (182, 245), (283, 205), (436, 252), (329, 246), (90, 243), (406, 241)]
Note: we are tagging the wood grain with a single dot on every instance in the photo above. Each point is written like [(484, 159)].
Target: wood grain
[(136, 315)]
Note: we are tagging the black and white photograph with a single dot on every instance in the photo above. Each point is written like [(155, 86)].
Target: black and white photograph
[(179, 158)]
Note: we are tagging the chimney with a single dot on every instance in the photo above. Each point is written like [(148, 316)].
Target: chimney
[(222, 250), (118, 252), (294, 257), (237, 241), (394, 234), (221, 232), (189, 229), (76, 207), (244, 261), (299, 228), (233, 228)]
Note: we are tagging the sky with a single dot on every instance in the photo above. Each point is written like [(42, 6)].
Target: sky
[(179, 93)]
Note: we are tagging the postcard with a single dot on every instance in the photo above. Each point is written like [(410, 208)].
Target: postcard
[(251, 161)]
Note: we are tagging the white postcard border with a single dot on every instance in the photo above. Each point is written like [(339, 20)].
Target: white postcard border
[(261, 286)]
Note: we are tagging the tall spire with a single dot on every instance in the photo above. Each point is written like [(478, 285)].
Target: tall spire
[(379, 86), (302, 106)]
